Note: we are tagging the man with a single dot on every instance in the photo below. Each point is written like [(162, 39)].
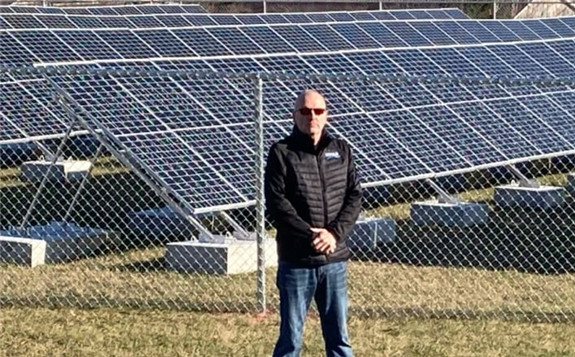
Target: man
[(313, 196)]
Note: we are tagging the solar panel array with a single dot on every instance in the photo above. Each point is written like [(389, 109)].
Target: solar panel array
[(16, 21), (194, 136), (43, 45), (106, 10), (422, 129)]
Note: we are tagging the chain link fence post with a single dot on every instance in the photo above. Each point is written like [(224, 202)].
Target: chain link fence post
[(260, 214)]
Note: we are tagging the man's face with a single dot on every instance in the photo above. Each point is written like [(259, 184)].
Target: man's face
[(310, 115)]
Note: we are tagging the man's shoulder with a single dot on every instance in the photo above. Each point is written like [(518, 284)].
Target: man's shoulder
[(281, 142), (280, 145), (340, 143)]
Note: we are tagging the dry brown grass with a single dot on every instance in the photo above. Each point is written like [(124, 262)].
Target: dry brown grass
[(137, 278), (122, 333)]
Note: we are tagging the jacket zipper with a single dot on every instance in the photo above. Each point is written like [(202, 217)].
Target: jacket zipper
[(323, 189)]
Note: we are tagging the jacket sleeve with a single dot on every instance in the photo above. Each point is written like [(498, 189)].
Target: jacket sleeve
[(343, 223), (280, 209)]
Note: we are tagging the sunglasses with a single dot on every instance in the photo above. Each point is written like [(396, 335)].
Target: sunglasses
[(307, 111)]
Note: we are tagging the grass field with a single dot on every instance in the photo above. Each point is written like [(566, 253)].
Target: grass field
[(109, 332)]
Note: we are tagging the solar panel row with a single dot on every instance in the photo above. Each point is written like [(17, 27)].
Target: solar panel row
[(104, 10), (35, 46), (421, 129), (16, 21)]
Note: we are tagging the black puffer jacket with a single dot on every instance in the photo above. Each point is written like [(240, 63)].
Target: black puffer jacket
[(307, 186)]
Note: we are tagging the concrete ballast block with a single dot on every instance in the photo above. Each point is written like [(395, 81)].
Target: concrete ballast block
[(22, 251), (461, 214), (161, 222), (62, 241), (540, 197), (368, 233), (570, 187), (60, 171), (232, 257)]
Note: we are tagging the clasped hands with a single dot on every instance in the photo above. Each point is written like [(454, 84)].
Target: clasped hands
[(323, 241)]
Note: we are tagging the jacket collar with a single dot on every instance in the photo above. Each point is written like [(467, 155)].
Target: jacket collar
[(304, 141)]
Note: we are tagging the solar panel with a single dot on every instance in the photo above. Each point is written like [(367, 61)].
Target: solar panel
[(23, 21), (50, 10), (118, 44), (46, 46), (355, 35), (127, 44), (145, 21), (28, 98), (115, 22), (87, 21), (559, 26), (236, 41), (268, 39), (457, 31), (13, 53), (327, 36), (88, 45), (50, 21), (24, 9)]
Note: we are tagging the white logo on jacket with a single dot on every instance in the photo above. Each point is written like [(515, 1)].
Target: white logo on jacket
[(332, 155)]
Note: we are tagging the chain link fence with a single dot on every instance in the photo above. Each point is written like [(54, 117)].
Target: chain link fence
[(133, 188)]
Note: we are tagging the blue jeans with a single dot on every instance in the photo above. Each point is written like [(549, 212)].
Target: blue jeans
[(327, 284)]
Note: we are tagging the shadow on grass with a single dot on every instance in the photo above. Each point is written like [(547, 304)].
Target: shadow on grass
[(145, 266), (526, 240)]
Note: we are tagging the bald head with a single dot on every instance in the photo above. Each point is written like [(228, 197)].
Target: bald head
[(310, 114), (307, 94)]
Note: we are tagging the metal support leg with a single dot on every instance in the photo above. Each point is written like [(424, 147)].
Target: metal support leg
[(524, 181), (444, 197)]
